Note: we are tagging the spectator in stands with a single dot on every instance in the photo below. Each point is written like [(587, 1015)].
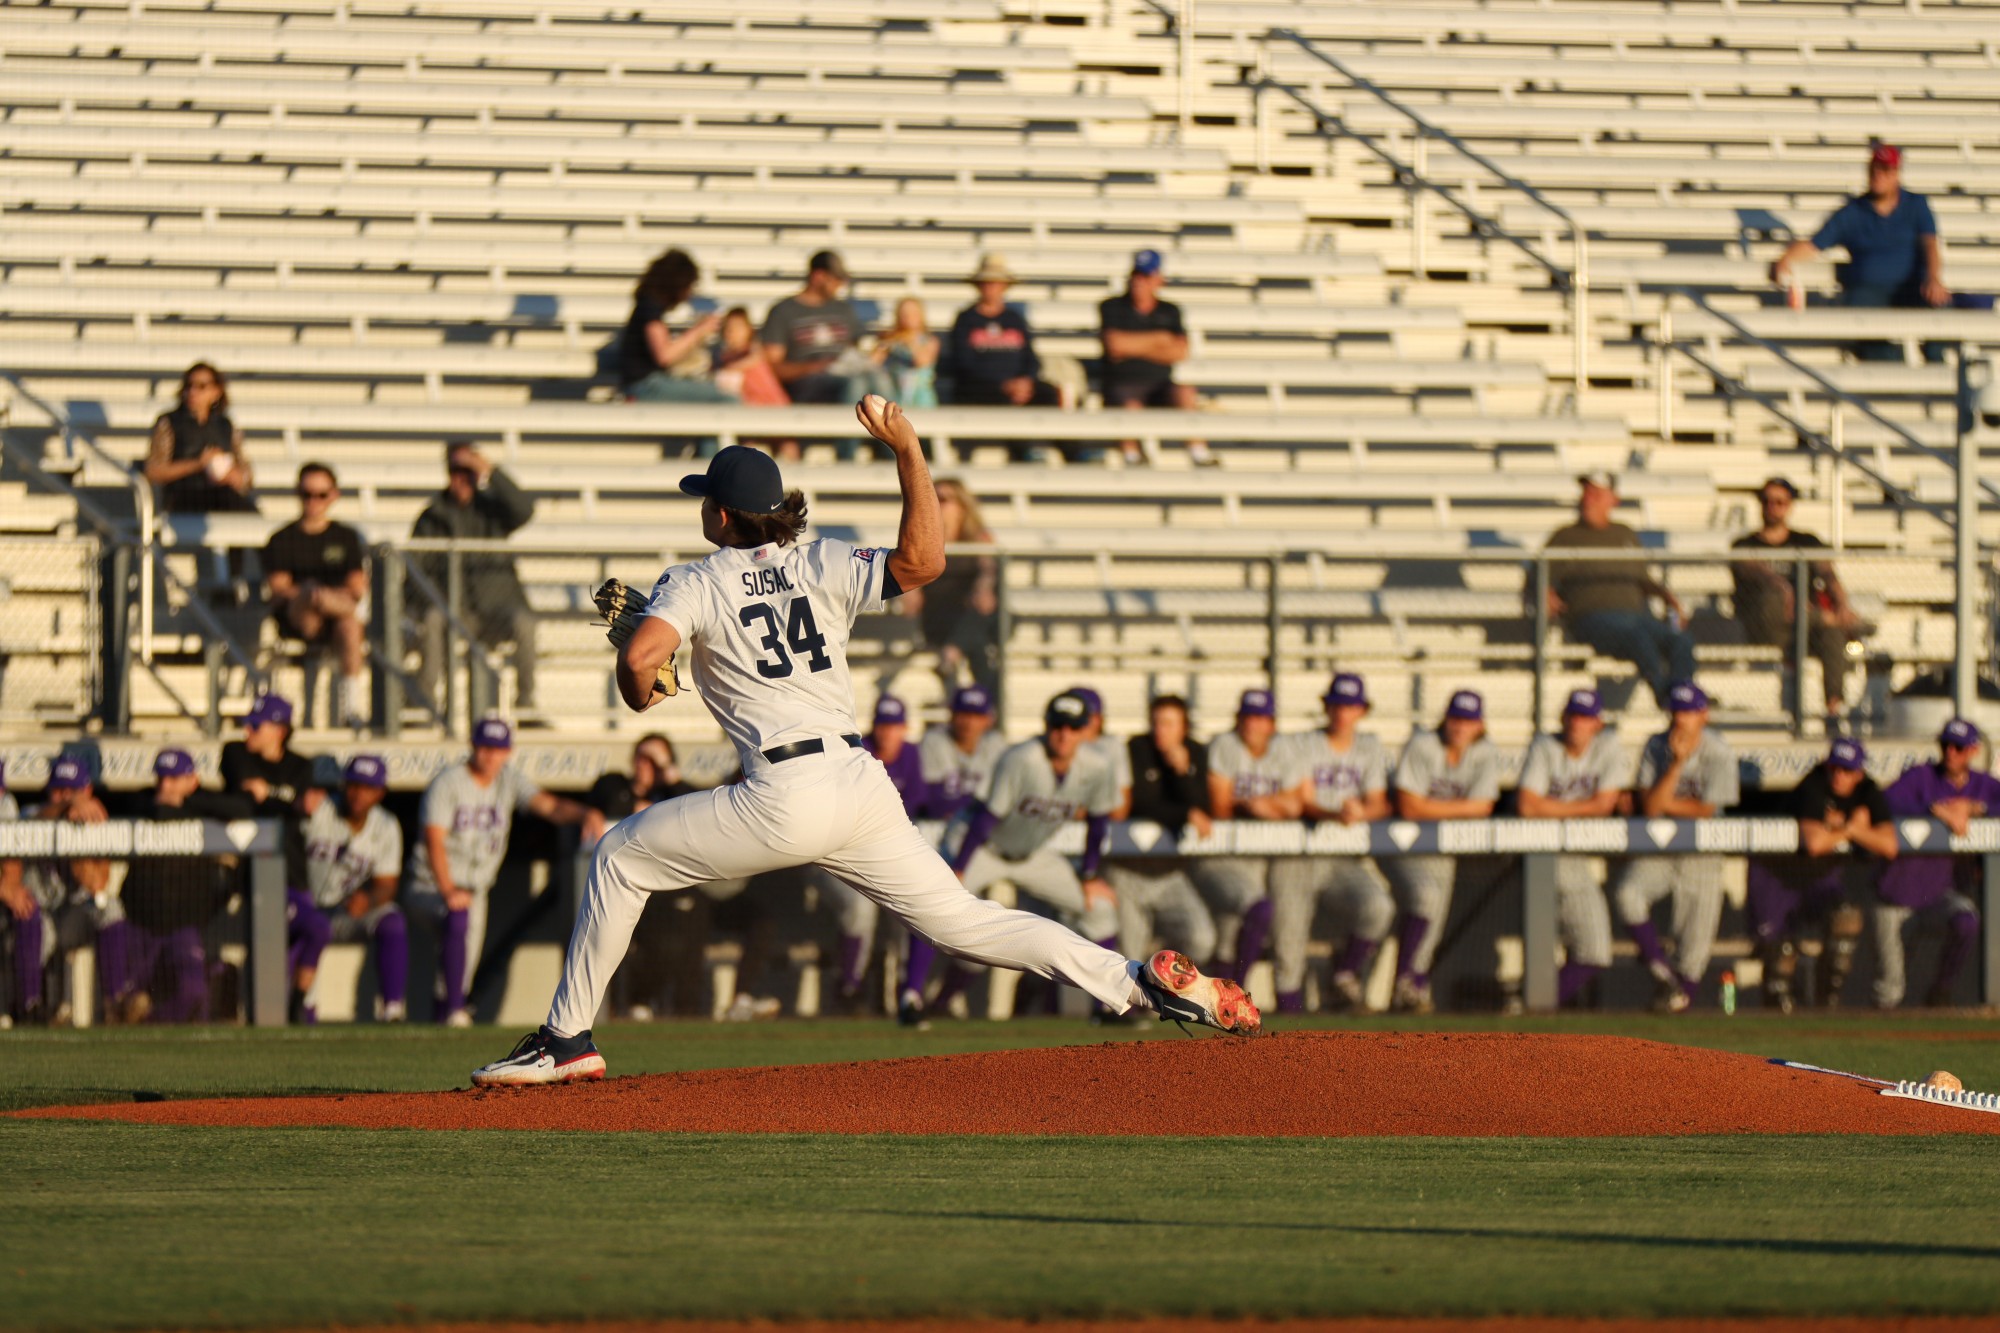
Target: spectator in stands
[(315, 578), (740, 368), (663, 956), (1343, 778), (1893, 259), (1450, 773), (76, 908), (480, 502), (196, 457), (1248, 779), (1846, 834), (1144, 339), (1940, 893), (466, 816), (1685, 772), (1581, 772), (811, 340), (171, 901), (990, 356), (1766, 593), (21, 923), (960, 613), (958, 758), (656, 365), (909, 353), (1158, 905), (1602, 603), (354, 853)]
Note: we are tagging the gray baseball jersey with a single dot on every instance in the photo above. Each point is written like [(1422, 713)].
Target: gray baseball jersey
[(1337, 775), (1552, 771), (476, 821), (1251, 775), (1116, 757), (9, 808), (1708, 776), (341, 859), (950, 772), (1423, 770), (1032, 804)]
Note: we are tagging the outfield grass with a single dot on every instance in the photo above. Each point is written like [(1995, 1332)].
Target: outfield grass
[(139, 1226)]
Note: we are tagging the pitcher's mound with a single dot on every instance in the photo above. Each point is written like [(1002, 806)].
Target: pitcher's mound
[(1296, 1084)]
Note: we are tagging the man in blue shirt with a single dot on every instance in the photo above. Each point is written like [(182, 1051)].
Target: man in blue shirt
[(1892, 251)]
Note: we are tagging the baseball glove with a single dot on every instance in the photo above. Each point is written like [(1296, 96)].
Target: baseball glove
[(623, 609)]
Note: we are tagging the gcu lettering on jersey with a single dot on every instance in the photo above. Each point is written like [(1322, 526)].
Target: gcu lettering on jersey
[(1047, 807), (765, 582), (479, 818)]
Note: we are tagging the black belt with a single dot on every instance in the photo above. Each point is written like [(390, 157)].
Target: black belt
[(778, 754)]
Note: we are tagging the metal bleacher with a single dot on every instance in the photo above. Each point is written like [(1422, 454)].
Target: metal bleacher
[(396, 224)]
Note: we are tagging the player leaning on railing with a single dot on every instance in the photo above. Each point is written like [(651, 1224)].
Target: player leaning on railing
[(767, 618)]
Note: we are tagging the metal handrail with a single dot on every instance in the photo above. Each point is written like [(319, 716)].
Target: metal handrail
[(1575, 280)]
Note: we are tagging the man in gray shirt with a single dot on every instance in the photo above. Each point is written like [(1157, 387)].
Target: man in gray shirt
[(1450, 773), (1582, 772), (467, 814), (1249, 777), (811, 340), (1602, 603), (1685, 772), (354, 849)]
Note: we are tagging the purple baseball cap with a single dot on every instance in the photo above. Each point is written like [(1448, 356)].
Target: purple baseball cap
[(889, 708), (1684, 696), (269, 708), (973, 699), (1146, 263), (1584, 703), (366, 770), (173, 763), (1346, 689), (492, 734), (1848, 754), (1467, 705), (1960, 733), (68, 774), (1256, 703), (1092, 700)]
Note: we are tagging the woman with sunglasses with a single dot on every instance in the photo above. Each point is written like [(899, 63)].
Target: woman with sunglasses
[(196, 458)]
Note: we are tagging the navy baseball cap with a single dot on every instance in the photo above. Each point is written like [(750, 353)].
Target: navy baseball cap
[(1146, 263), (1256, 703), (740, 478), (492, 734), (1346, 689), (1960, 733), (1684, 696), (1848, 754), (68, 774), (1066, 710), (1584, 703), (366, 770), (889, 708), (973, 699), (173, 763), (269, 708), (1092, 700), (1466, 705)]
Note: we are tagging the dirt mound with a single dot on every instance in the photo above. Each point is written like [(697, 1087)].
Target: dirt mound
[(1311, 1084)]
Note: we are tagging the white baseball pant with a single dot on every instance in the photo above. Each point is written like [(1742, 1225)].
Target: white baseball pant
[(429, 904), (1157, 902), (837, 810), (1352, 890), (1695, 885), (1891, 980), (1422, 887), (1583, 914)]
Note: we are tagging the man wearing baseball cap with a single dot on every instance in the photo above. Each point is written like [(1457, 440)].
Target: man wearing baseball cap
[(277, 780), (1343, 778), (1158, 904), (464, 822), (1604, 603), (1143, 339), (1938, 892), (479, 502), (1581, 772), (1249, 778), (1685, 772), (1108, 748), (811, 340), (1893, 258), (958, 758), (75, 905), (354, 852), (1450, 773)]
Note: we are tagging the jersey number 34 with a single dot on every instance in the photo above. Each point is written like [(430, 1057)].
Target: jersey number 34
[(800, 633)]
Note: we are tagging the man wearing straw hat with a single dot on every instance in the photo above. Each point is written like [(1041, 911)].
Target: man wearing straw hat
[(990, 354)]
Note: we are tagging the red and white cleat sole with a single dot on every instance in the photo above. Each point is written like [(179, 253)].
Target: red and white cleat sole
[(1181, 992)]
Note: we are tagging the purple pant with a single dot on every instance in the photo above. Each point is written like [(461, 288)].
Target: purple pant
[(388, 931), (1779, 903), (27, 964), (452, 950), (184, 999), (306, 931)]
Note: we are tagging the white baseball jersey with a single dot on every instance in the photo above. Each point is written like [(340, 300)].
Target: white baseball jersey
[(954, 776), (1552, 771), (1337, 776), (341, 859), (1425, 770), (476, 821), (1250, 775), (1032, 803), (1709, 775), (768, 627)]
